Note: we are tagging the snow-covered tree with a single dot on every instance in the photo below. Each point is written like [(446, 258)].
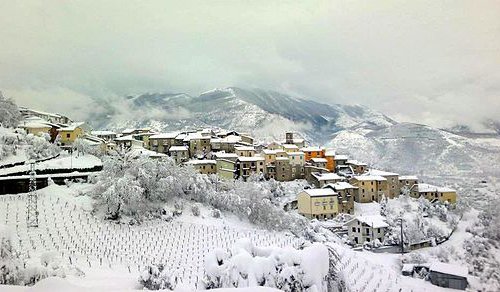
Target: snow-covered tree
[(9, 112)]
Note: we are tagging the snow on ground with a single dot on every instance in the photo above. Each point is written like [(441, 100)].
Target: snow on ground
[(102, 280), (65, 162), (82, 240), (363, 209)]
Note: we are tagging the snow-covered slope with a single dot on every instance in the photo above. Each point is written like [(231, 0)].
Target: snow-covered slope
[(419, 149), (260, 112)]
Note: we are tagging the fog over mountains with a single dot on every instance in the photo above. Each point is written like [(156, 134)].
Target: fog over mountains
[(357, 130)]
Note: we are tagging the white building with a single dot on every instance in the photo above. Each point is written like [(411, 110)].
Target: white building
[(367, 229)]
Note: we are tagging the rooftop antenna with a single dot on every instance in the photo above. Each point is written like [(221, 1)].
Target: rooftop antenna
[(32, 205)]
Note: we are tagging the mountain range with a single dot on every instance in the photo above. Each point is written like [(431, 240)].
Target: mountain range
[(365, 134)]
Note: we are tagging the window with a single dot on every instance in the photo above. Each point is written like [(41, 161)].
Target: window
[(68, 135), (378, 230), (368, 239), (324, 207), (354, 229), (372, 183)]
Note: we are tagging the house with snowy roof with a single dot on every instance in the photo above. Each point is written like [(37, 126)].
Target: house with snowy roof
[(127, 142), (406, 182), (341, 159), (448, 275), (393, 190), (179, 153), (318, 203), (38, 126), (313, 152), (434, 193), (105, 134), (245, 151), (330, 159), (318, 162), (358, 167), (371, 188), (71, 132), (49, 117), (369, 228), (319, 179), (162, 142), (203, 166), (346, 194), (246, 166)]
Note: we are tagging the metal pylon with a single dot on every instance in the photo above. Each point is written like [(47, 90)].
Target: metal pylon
[(32, 204)]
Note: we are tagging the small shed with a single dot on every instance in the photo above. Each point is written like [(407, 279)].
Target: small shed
[(448, 276)]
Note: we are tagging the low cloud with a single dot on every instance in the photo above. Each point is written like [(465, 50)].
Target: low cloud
[(423, 61)]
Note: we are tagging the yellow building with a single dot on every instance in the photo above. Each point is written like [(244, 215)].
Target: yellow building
[(393, 187), (204, 166), (371, 188), (70, 133), (270, 156), (433, 193), (226, 168), (318, 203)]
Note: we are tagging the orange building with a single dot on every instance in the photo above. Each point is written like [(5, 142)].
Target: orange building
[(330, 160), (313, 152)]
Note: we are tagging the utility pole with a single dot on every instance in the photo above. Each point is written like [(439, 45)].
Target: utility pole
[(402, 240), (32, 204)]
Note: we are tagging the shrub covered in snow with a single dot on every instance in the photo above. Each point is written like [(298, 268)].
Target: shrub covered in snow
[(156, 277), (249, 266), (137, 187)]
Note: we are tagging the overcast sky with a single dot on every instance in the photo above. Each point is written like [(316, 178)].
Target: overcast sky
[(434, 62)]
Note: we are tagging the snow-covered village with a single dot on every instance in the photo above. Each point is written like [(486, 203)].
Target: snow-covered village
[(315, 146)]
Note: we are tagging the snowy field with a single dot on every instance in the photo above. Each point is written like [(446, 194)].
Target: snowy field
[(80, 239)]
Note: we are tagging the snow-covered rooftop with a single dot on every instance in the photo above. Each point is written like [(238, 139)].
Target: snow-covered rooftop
[(178, 148), (341, 186), (374, 221), (142, 152), (203, 161), (71, 127), (319, 160), (311, 149), (282, 158), (171, 135), (244, 148), (320, 192), (370, 177), (449, 269), (225, 155), (125, 138), (326, 176), (296, 153), (269, 152), (290, 146), (427, 188), (355, 162), (249, 159)]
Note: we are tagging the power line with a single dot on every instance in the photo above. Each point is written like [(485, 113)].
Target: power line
[(32, 204)]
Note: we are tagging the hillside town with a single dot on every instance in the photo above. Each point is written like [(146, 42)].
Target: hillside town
[(337, 181)]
